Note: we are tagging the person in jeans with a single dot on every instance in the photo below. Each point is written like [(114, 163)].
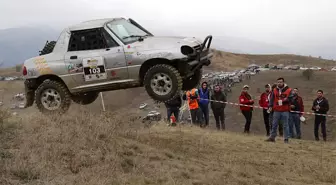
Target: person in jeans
[(173, 107), (246, 99), (263, 102), (192, 97), (218, 107), (204, 103), (271, 114), (280, 100), (320, 106), (294, 115)]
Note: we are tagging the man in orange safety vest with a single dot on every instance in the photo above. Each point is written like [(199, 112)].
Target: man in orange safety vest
[(192, 97)]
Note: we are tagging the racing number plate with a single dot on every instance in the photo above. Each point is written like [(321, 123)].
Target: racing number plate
[(94, 69)]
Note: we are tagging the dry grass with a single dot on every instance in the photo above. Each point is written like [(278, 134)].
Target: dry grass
[(115, 148), (9, 72)]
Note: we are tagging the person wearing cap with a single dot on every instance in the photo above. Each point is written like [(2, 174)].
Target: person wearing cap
[(263, 102), (294, 116), (204, 103), (246, 99), (280, 101)]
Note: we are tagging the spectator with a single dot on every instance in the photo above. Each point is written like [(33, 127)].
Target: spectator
[(246, 99), (320, 106), (204, 103), (294, 116), (263, 102), (280, 100), (271, 115), (173, 107), (192, 96), (218, 108)]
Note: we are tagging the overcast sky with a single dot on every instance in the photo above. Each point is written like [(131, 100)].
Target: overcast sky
[(297, 24)]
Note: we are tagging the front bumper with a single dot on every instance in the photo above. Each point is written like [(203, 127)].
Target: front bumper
[(203, 56)]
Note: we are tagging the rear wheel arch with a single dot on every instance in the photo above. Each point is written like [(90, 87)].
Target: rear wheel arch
[(42, 78)]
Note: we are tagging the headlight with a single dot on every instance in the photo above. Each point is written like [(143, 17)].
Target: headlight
[(187, 50)]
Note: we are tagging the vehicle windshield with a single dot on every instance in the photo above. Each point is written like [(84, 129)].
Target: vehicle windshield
[(126, 31)]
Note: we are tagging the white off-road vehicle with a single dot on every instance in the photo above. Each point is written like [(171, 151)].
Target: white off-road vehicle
[(111, 54)]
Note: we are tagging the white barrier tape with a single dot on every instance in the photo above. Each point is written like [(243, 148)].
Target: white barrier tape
[(253, 106)]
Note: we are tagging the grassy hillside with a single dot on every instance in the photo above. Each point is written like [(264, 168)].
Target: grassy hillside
[(226, 60), (113, 148)]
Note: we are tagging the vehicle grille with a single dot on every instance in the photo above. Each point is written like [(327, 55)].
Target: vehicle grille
[(198, 50)]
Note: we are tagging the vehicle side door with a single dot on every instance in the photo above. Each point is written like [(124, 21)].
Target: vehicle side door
[(89, 59), (115, 58)]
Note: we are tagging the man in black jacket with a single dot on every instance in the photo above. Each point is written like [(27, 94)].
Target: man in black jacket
[(320, 106), (218, 108), (173, 107)]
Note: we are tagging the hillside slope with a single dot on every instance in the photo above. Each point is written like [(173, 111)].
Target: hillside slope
[(113, 148), (227, 61)]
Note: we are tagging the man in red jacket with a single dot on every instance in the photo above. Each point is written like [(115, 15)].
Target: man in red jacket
[(263, 102), (246, 99), (280, 102)]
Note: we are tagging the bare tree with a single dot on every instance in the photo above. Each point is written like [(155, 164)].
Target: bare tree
[(308, 73)]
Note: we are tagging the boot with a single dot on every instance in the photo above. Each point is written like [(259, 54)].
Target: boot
[(270, 139), (223, 127)]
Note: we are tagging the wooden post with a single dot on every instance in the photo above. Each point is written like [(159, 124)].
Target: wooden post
[(102, 99)]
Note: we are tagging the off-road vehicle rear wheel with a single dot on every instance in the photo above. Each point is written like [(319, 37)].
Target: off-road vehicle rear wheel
[(52, 97), (85, 98), (163, 82), (192, 81)]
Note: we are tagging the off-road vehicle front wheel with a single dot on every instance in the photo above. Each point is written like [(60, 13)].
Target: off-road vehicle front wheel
[(52, 97), (163, 82), (85, 98)]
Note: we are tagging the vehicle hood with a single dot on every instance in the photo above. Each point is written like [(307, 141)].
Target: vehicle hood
[(162, 43)]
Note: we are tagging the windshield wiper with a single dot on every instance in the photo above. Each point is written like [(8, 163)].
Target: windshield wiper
[(141, 37)]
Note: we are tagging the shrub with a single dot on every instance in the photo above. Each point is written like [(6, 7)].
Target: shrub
[(18, 68), (308, 73)]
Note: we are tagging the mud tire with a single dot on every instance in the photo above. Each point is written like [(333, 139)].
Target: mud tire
[(48, 48), (173, 74), (58, 87), (85, 98), (192, 81)]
